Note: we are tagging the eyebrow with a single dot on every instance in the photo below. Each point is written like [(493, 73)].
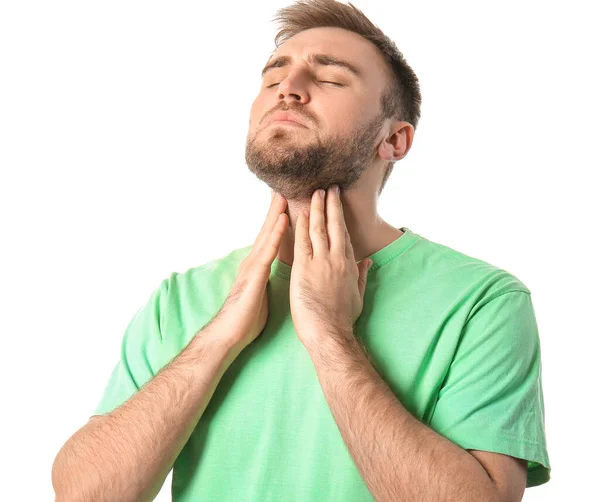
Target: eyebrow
[(319, 59)]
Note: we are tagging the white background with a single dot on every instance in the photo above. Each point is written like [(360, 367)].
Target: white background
[(122, 135)]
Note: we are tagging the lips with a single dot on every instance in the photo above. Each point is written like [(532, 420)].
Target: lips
[(286, 116)]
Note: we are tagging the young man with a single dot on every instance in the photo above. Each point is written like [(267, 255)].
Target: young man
[(290, 369)]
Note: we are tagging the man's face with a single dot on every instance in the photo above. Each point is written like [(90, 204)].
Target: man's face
[(341, 124)]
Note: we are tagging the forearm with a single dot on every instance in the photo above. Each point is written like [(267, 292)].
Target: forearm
[(398, 456), (127, 454)]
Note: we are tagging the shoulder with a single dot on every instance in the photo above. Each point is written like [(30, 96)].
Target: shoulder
[(479, 279), (212, 272), (222, 268), (192, 297)]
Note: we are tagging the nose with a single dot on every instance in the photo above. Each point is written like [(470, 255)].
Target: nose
[(292, 89)]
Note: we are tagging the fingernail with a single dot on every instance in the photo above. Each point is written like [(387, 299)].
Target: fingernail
[(336, 188), (322, 193)]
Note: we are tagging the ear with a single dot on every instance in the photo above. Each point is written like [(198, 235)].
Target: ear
[(397, 144)]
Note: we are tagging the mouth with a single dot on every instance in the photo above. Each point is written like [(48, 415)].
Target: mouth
[(285, 122), (285, 118)]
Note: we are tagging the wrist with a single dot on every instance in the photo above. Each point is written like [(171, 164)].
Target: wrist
[(215, 336)]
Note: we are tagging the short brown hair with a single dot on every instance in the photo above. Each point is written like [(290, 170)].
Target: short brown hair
[(401, 98)]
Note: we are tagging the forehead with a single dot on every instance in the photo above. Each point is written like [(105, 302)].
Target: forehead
[(338, 42)]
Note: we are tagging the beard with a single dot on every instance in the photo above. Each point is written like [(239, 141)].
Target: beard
[(295, 166)]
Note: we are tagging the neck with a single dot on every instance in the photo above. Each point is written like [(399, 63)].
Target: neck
[(368, 231)]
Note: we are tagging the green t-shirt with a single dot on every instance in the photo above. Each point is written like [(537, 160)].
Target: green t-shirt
[(454, 337)]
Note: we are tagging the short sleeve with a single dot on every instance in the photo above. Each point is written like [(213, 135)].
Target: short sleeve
[(140, 349), (492, 398)]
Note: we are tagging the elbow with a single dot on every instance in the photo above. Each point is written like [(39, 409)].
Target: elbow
[(495, 495), (59, 495), (59, 476)]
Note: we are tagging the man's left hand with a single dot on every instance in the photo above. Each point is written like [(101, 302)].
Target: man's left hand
[(326, 284)]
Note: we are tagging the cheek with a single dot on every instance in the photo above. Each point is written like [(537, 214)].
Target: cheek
[(346, 119), (258, 110)]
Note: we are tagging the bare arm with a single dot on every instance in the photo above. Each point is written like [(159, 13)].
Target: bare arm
[(128, 453)]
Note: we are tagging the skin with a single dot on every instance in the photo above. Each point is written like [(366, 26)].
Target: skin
[(327, 148), (347, 143), (324, 261), (399, 457)]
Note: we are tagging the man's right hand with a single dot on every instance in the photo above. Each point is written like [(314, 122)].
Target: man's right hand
[(245, 311)]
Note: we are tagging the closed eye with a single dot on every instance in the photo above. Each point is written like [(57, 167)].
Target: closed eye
[(322, 81)]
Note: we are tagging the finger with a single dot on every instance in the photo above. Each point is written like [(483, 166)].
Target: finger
[(302, 243), (318, 231), (336, 225), (363, 269), (278, 205), (348, 249), (271, 248)]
